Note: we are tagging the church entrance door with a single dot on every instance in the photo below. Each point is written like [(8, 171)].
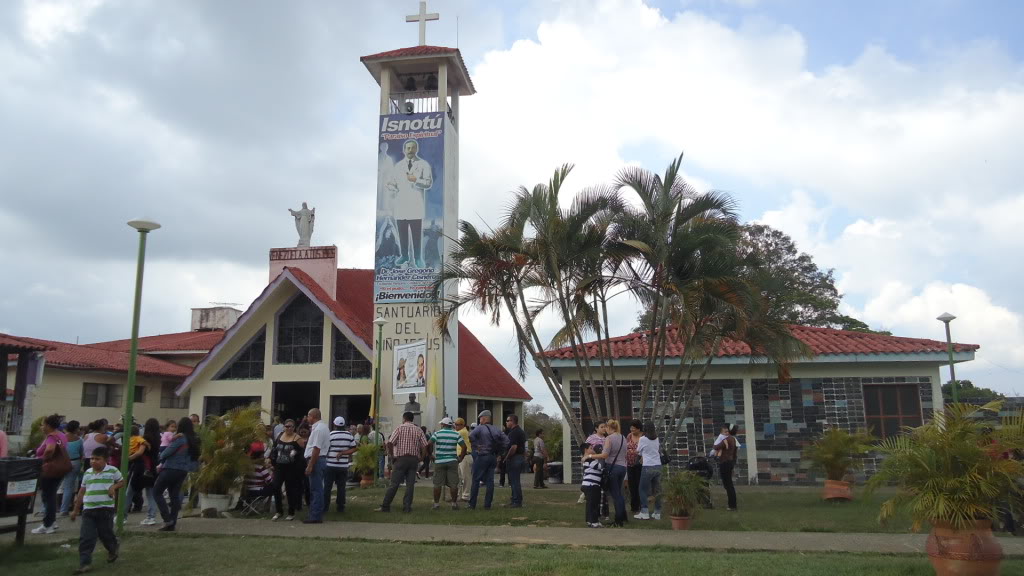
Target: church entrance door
[(294, 399)]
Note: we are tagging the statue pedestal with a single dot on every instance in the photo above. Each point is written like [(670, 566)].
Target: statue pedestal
[(320, 262)]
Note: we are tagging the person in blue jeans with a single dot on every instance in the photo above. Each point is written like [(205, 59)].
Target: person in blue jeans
[(316, 457), (487, 441), (649, 450), (179, 458), (614, 456), (72, 479)]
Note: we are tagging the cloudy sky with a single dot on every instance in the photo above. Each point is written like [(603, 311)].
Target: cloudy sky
[(883, 136)]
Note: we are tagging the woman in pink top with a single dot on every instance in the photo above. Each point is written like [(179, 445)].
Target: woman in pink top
[(49, 486)]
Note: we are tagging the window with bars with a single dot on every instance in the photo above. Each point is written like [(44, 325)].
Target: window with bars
[(349, 362), (169, 400), (102, 395), (249, 364), (300, 333), (890, 407)]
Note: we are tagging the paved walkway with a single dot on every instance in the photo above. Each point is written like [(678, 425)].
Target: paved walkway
[(699, 539)]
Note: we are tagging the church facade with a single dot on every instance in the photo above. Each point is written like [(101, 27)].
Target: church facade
[(856, 381)]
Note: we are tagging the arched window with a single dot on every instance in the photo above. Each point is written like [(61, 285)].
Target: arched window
[(300, 333), (349, 362)]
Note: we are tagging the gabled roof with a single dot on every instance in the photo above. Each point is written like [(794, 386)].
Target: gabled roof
[(84, 357), (178, 342), (822, 341), (15, 343), (352, 311)]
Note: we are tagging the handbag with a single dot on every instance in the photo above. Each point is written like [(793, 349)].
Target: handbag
[(58, 464)]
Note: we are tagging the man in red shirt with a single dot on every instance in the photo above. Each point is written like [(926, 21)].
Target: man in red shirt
[(406, 446)]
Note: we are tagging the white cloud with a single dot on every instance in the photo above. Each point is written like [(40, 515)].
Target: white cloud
[(46, 21)]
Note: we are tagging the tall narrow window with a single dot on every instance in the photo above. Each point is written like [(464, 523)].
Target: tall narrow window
[(349, 362), (890, 407), (300, 333), (249, 364)]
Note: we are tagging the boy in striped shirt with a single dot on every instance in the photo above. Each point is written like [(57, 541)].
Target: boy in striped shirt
[(592, 476), (95, 502)]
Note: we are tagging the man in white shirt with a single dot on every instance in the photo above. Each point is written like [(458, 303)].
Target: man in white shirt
[(411, 177), (318, 443)]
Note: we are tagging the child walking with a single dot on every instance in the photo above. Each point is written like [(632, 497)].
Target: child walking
[(95, 503), (592, 489)]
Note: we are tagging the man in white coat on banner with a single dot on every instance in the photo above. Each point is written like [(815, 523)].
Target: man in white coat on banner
[(410, 180)]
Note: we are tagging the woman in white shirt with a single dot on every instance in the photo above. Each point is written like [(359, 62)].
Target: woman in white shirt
[(649, 449)]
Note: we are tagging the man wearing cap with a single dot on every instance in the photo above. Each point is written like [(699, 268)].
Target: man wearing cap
[(342, 446), (488, 442), (406, 446), (465, 459), (446, 461)]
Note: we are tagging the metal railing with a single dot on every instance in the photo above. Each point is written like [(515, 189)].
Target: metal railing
[(422, 102)]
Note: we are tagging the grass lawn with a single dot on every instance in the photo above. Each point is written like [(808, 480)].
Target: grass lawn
[(252, 556), (772, 509)]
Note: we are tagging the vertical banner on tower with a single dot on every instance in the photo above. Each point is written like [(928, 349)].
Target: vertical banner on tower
[(410, 206)]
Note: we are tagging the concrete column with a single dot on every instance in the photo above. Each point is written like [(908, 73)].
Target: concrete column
[(442, 87), (385, 90), (748, 425), (455, 108)]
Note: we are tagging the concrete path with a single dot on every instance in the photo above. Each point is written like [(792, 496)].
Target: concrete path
[(698, 539)]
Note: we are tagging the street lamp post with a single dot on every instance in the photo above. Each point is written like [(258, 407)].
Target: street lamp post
[(380, 322), (946, 318), (144, 226)]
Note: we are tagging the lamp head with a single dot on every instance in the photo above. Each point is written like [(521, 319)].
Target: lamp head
[(380, 321), (946, 317), (144, 224)]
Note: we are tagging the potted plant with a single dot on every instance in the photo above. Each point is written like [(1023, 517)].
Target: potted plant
[(365, 463), (953, 473), (837, 453), (224, 458), (685, 492)]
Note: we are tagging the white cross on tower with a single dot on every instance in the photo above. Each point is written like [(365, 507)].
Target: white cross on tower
[(422, 18)]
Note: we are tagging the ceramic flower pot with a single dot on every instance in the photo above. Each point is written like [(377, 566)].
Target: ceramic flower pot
[(971, 552), (680, 522), (837, 490)]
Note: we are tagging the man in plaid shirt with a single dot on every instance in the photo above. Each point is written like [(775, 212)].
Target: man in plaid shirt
[(406, 446)]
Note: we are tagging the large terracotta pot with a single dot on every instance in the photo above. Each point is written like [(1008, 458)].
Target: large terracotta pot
[(680, 522), (837, 490), (972, 552), (366, 481)]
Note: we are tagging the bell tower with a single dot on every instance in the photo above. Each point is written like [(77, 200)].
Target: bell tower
[(417, 211)]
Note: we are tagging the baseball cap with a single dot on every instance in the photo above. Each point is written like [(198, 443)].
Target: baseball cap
[(339, 421), (446, 421), (485, 414)]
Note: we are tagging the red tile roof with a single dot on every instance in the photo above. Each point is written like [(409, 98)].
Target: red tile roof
[(178, 342), (411, 51), (9, 343), (84, 357), (822, 341)]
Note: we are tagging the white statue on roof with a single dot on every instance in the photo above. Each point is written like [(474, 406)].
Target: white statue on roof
[(304, 224)]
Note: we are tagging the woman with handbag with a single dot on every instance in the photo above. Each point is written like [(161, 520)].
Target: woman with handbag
[(614, 456), (56, 464), (73, 479), (142, 468), (289, 469)]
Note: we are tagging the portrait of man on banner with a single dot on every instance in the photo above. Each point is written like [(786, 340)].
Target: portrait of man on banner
[(410, 369)]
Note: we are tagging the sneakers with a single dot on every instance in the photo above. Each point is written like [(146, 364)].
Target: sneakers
[(148, 522), (275, 518), (596, 525), (111, 558), (166, 528), (83, 569), (45, 530), (582, 499), (642, 516), (382, 509), (289, 518), (436, 506), (656, 515)]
